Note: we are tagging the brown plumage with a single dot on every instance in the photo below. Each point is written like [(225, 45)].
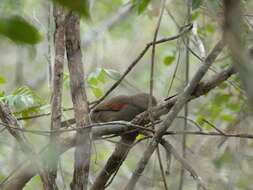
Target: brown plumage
[(122, 107)]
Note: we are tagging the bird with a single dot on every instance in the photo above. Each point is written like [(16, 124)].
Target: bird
[(118, 108), (121, 108)]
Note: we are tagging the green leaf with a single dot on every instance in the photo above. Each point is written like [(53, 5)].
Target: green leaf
[(227, 117), (99, 75), (210, 28), (141, 5), (96, 91), (194, 15), (19, 30), (79, 6), (223, 85), (227, 157), (2, 94), (200, 119), (221, 99), (140, 136), (235, 107), (168, 60), (66, 80), (196, 4), (2, 80), (23, 99), (215, 110), (113, 74), (93, 81)]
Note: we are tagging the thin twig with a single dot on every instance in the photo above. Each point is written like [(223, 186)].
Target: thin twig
[(186, 29), (26, 147), (187, 68), (213, 126), (151, 89), (168, 147)]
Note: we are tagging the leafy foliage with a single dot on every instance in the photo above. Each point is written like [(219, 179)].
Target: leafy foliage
[(223, 107), (141, 5), (23, 101), (97, 78), (122, 44), (19, 30), (100, 76)]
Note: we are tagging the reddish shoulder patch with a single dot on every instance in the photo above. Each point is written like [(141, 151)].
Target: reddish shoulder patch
[(117, 106)]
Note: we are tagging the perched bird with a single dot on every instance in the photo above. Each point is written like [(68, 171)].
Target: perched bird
[(122, 107), (118, 108)]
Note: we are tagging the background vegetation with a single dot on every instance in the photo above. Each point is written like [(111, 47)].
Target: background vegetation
[(113, 34)]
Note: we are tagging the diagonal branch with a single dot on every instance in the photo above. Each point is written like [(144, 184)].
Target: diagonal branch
[(168, 147), (182, 99), (133, 64), (96, 33), (10, 120)]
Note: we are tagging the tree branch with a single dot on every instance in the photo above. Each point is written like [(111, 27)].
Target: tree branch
[(59, 17), (168, 147), (9, 120), (182, 99), (79, 99), (233, 31)]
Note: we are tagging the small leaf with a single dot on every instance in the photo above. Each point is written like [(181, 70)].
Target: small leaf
[(215, 110), (79, 6), (227, 117), (2, 94), (142, 5), (196, 4), (194, 15), (97, 76), (168, 60), (200, 119), (210, 28), (225, 158), (19, 30), (102, 75), (92, 81), (2, 80), (23, 98), (221, 99), (113, 74), (140, 136), (97, 91), (66, 80), (235, 107)]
